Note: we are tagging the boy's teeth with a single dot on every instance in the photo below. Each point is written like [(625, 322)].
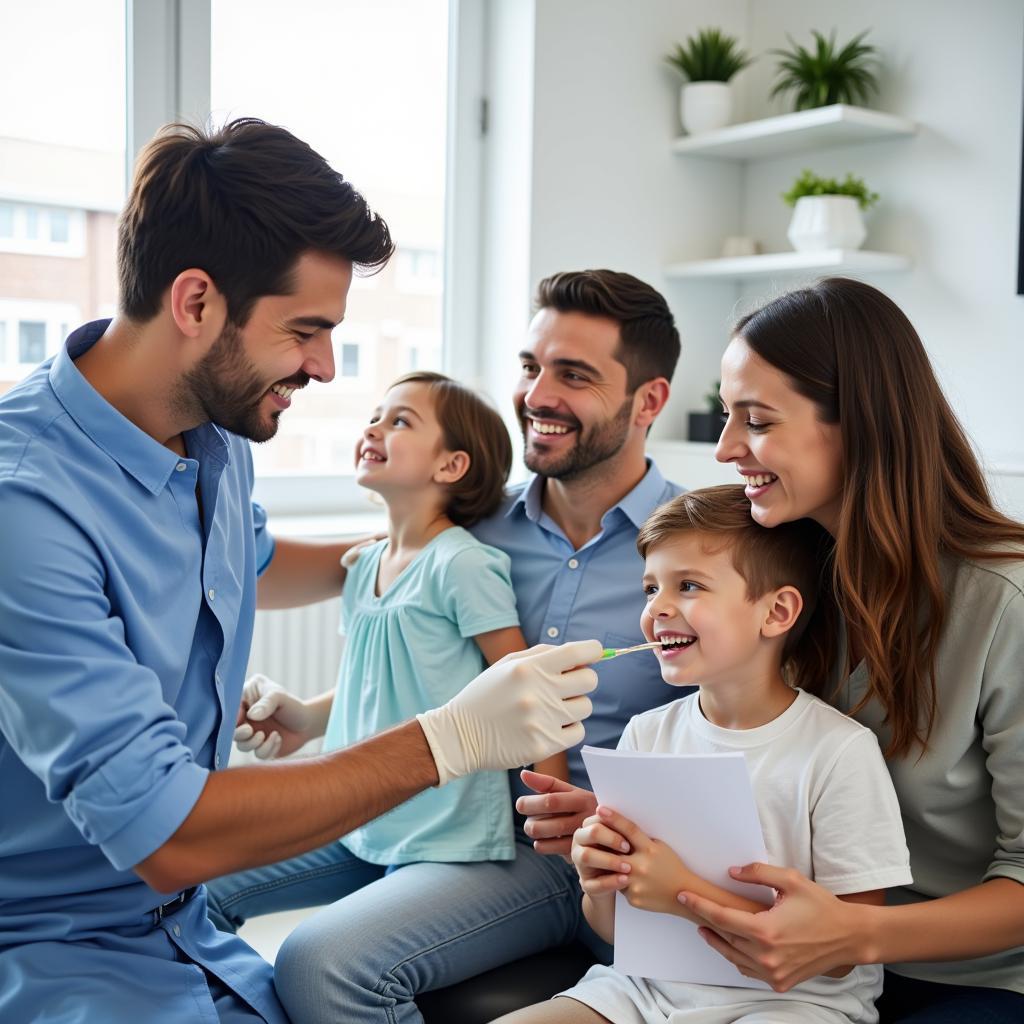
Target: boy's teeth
[(676, 641), (760, 479), (548, 428)]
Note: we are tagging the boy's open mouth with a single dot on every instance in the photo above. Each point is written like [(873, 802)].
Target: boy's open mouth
[(673, 643)]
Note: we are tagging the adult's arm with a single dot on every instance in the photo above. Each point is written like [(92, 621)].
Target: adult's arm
[(303, 572), (809, 931), (523, 708)]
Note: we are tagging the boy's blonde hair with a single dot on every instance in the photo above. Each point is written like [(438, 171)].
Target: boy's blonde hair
[(469, 424), (790, 554)]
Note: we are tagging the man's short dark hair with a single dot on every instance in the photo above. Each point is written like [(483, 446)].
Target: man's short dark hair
[(242, 202), (649, 345)]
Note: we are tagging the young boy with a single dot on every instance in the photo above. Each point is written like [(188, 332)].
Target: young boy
[(731, 602)]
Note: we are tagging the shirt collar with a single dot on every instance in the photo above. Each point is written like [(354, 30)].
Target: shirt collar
[(140, 455), (636, 506)]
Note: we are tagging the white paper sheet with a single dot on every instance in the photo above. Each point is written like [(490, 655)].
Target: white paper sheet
[(703, 806)]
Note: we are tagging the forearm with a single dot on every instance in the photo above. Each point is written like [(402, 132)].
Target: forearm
[(724, 897), (984, 919), (250, 816), (600, 915), (557, 766), (303, 572)]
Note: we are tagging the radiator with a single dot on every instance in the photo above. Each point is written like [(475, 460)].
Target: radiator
[(299, 647)]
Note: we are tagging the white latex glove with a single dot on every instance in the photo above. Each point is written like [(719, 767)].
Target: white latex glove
[(522, 709), (289, 720)]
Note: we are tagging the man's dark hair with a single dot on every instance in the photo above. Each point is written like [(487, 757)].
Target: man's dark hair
[(242, 202), (649, 345)]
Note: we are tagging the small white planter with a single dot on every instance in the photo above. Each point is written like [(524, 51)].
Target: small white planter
[(826, 222), (705, 106)]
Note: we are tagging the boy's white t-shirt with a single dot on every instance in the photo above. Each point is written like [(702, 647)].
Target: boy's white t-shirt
[(827, 808)]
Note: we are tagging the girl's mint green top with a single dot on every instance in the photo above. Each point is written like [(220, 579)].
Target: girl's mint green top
[(412, 649)]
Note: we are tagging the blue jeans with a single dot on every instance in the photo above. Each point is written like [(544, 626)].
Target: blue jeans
[(909, 1001), (388, 936)]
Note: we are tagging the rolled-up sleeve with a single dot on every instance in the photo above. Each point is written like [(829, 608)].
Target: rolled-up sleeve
[(264, 541), (75, 705), (1001, 713)]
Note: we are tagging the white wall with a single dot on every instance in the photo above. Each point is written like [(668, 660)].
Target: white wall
[(605, 190)]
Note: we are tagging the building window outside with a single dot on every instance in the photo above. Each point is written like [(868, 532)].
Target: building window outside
[(367, 135), (31, 342), (349, 360), (62, 151)]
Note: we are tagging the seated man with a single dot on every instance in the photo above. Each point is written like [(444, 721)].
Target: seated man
[(595, 374)]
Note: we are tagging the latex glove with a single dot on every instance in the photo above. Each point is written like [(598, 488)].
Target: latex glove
[(287, 722), (522, 709)]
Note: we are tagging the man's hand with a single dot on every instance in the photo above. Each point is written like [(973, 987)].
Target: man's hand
[(271, 721), (556, 814), (522, 709)]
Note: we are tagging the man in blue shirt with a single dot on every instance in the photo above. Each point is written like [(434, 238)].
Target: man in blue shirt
[(595, 374), (129, 555)]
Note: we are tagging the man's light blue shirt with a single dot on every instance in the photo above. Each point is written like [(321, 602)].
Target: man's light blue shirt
[(594, 592), (126, 616)]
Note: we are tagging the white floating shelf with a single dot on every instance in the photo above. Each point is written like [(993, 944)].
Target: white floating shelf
[(821, 128), (778, 263)]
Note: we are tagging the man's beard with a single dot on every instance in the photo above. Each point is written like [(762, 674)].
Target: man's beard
[(225, 388), (593, 446)]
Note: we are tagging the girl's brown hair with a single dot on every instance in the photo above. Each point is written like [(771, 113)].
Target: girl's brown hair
[(791, 554), (472, 426), (913, 492)]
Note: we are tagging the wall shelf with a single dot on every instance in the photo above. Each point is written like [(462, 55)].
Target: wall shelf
[(821, 128), (778, 263)]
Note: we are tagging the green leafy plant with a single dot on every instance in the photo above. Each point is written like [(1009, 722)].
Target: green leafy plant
[(810, 184), (709, 56), (714, 399), (826, 74)]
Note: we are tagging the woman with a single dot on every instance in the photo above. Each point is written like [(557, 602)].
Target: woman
[(834, 413)]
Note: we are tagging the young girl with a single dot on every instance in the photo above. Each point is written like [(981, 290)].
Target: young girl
[(423, 611), (731, 603)]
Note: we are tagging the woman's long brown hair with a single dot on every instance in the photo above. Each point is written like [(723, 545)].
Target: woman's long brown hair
[(913, 488)]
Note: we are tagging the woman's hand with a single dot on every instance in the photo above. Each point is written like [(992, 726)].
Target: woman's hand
[(808, 931)]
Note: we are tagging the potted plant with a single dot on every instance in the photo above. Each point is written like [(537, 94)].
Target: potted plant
[(827, 212), (708, 60), (826, 74), (707, 426)]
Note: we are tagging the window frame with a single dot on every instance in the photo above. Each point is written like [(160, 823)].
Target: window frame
[(168, 67)]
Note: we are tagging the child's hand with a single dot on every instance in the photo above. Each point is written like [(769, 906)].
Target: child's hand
[(271, 721), (656, 873), (598, 854)]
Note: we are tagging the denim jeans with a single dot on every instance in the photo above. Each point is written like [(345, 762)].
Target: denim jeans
[(385, 937)]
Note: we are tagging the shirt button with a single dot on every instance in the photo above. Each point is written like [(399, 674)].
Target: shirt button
[(177, 930), (181, 467), (552, 631), (574, 563), (216, 761), (211, 593)]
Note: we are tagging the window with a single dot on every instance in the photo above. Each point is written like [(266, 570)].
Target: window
[(31, 342), (382, 125), (349, 360), (62, 151)]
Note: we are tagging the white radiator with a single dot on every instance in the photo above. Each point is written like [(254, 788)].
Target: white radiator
[(299, 647)]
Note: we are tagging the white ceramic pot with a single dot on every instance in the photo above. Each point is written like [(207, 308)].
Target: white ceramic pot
[(826, 222), (704, 106)]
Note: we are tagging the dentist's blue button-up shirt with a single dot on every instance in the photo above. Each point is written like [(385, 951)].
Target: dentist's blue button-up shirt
[(126, 616), (595, 592)]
